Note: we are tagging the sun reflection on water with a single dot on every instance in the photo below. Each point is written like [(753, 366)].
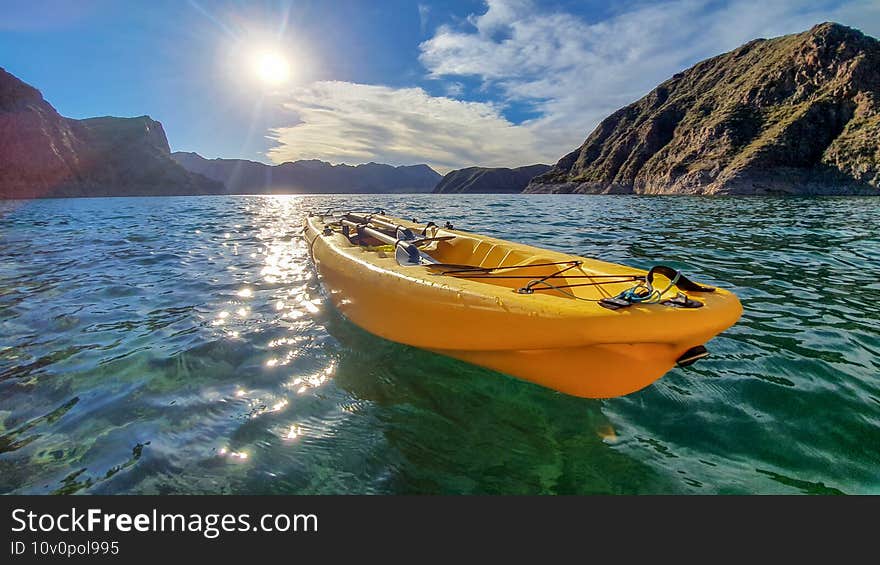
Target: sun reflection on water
[(294, 432), (278, 406), (226, 452), (274, 294), (303, 384)]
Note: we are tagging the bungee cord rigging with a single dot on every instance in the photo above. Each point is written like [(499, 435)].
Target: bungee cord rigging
[(406, 244)]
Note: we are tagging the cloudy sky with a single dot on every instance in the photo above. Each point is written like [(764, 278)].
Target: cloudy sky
[(451, 84)]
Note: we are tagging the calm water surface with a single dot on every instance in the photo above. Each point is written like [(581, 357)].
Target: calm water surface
[(183, 345)]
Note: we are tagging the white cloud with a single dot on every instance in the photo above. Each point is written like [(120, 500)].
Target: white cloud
[(454, 89), (424, 14), (356, 123), (576, 72), (571, 71)]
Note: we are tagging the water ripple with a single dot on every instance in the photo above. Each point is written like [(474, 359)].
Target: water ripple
[(183, 345)]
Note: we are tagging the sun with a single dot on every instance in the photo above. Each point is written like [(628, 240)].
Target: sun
[(271, 68)]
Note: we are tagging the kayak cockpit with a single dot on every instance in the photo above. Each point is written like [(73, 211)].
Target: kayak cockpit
[(498, 263)]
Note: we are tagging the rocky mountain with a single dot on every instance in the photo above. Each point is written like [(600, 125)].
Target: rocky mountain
[(310, 176), (43, 154), (798, 114), (481, 180)]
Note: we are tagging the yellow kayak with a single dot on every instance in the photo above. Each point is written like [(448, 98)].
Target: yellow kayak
[(580, 326)]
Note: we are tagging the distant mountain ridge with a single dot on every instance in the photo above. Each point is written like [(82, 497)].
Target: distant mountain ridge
[(309, 176), (483, 180), (798, 114), (43, 154)]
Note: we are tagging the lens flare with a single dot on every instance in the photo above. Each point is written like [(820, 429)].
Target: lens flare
[(271, 68)]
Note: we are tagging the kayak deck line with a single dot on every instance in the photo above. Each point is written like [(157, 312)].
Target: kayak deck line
[(577, 325)]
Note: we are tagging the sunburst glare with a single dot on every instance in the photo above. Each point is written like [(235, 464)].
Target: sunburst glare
[(271, 68)]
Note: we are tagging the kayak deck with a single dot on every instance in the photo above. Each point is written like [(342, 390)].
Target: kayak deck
[(529, 312)]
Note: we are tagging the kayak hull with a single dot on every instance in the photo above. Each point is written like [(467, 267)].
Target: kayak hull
[(570, 370), (573, 346)]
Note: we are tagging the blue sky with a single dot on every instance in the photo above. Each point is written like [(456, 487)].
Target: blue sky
[(453, 84)]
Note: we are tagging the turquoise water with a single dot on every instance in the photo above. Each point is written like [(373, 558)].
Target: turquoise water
[(183, 345)]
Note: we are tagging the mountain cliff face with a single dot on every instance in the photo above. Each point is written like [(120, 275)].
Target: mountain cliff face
[(798, 114), (481, 180), (43, 154), (312, 176)]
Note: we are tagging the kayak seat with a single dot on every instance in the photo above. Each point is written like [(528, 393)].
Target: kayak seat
[(469, 251), (476, 252)]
